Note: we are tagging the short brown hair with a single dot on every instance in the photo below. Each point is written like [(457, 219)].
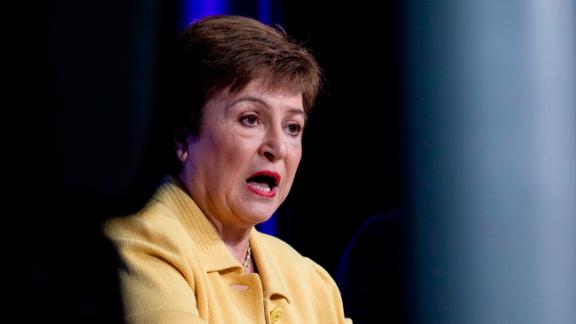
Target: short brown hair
[(227, 52)]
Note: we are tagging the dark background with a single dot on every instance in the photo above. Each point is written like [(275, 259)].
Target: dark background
[(352, 162), (82, 87)]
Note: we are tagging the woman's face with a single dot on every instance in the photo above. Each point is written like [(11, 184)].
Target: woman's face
[(242, 165)]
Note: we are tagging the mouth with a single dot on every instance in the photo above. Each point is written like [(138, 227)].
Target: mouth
[(264, 183)]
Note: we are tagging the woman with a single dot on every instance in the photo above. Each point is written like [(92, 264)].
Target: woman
[(192, 255)]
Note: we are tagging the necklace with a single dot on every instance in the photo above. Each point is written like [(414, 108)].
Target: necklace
[(248, 258)]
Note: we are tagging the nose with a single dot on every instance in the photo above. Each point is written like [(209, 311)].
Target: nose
[(274, 145)]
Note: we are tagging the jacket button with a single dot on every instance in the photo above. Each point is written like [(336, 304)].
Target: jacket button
[(275, 314)]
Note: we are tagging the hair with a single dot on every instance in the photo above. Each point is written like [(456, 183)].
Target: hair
[(225, 53)]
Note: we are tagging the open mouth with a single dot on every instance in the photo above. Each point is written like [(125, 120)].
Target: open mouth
[(264, 183)]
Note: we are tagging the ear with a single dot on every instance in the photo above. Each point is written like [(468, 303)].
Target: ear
[(180, 137)]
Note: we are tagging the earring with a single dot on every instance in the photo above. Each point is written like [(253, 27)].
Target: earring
[(182, 155)]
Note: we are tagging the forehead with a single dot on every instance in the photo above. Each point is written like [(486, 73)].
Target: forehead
[(258, 91)]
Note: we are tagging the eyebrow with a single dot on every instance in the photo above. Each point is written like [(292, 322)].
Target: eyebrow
[(294, 111)]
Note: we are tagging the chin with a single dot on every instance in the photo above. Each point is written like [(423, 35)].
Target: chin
[(258, 215), (261, 218)]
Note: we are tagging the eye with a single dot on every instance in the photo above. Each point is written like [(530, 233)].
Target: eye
[(294, 129), (249, 120)]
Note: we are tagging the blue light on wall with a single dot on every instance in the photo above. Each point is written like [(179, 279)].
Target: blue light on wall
[(270, 226), (265, 11), (194, 9)]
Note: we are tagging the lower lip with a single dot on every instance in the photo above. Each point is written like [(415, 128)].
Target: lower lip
[(267, 194)]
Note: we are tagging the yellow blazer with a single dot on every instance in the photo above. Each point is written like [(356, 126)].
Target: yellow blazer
[(176, 269)]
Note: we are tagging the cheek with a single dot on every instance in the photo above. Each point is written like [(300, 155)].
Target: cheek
[(241, 151), (232, 146), (293, 160), (235, 159)]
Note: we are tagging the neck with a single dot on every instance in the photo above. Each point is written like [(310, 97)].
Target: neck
[(242, 253), (231, 232), (235, 238), (237, 241)]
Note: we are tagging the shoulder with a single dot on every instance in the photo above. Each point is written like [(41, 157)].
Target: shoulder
[(153, 219), (156, 276), (277, 245), (305, 281), (280, 252), (292, 263), (155, 231)]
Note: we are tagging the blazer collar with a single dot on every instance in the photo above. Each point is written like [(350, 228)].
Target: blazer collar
[(211, 249), (268, 268)]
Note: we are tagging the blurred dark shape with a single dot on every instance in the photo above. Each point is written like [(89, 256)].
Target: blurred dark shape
[(58, 270), (374, 272), (79, 89)]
